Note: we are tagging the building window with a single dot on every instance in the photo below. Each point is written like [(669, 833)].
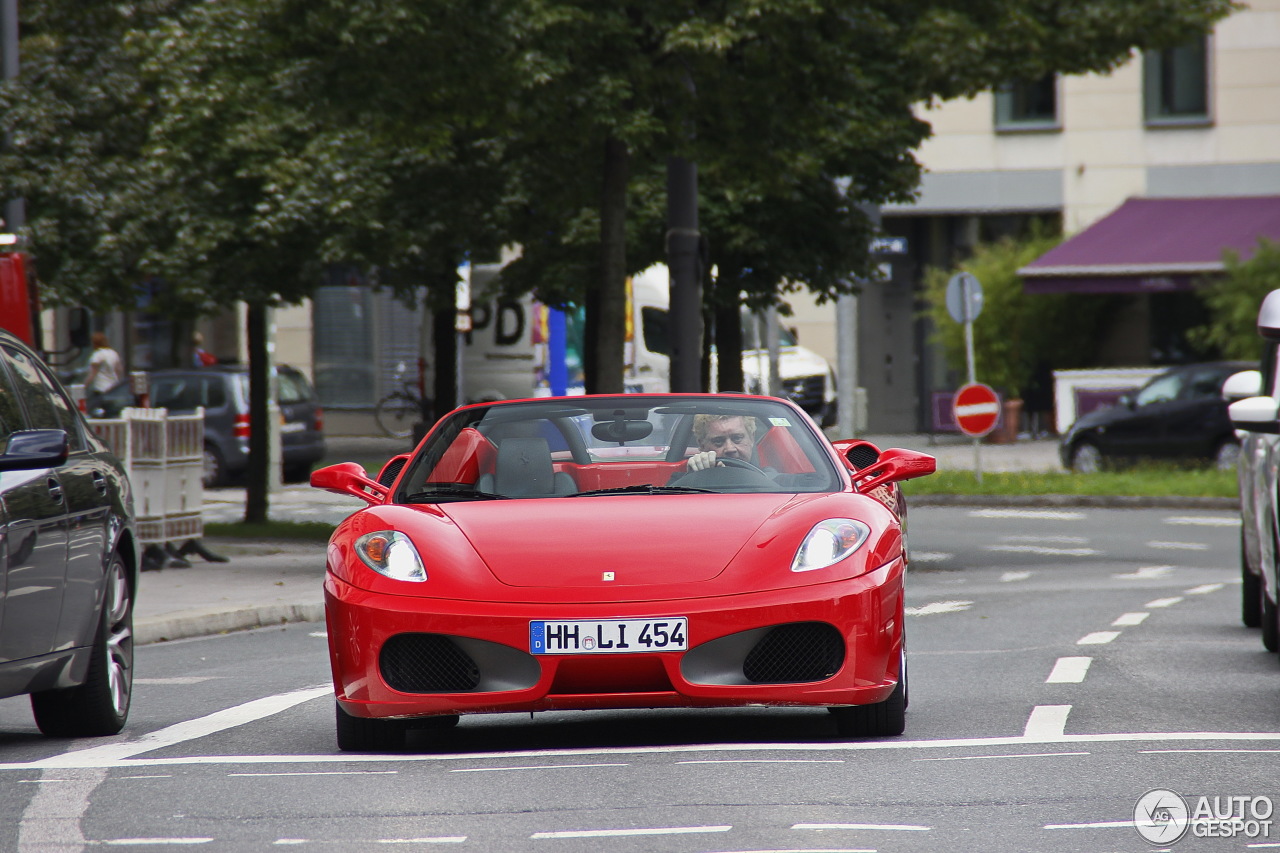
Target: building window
[(1176, 83), (1028, 104)]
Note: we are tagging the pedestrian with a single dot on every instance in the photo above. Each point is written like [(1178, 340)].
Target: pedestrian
[(201, 357), (106, 368)]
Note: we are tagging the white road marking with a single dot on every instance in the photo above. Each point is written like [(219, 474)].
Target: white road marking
[(1163, 602), (1014, 755), (1127, 619), (1047, 722), (438, 839), (177, 680), (1056, 515), (892, 827), (764, 761), (156, 842), (938, 607), (324, 635), (51, 821), (1045, 550), (1146, 573), (1178, 546), (1105, 824), (1203, 588), (1069, 670), (1057, 540), (621, 833), (320, 773), (1097, 638), (1204, 520), (218, 721), (1010, 577), (532, 767), (929, 556)]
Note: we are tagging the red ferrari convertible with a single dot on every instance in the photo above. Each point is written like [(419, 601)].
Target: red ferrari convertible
[(629, 551)]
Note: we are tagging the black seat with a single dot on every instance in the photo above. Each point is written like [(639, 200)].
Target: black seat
[(523, 469)]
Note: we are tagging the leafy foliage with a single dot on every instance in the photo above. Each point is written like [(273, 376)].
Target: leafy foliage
[(1232, 302)]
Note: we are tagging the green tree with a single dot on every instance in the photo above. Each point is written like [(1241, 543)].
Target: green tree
[(1016, 332), (1232, 302)]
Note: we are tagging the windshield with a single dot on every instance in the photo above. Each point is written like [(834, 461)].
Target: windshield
[(596, 446)]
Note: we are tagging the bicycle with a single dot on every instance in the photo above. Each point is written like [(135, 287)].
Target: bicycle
[(399, 410)]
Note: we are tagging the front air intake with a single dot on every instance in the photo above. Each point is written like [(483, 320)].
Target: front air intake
[(801, 651), (427, 663)]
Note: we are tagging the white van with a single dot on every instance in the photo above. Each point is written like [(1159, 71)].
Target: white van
[(505, 355)]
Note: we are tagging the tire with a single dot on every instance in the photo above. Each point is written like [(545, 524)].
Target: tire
[(1227, 456), (99, 706), (397, 413), (1270, 630), (360, 734), (1250, 591), (882, 719), (213, 467), (1086, 458)]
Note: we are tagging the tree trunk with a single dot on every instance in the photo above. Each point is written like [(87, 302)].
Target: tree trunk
[(606, 302), (728, 337), (444, 340), (258, 485)]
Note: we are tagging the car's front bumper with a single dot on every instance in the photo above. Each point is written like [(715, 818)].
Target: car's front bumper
[(487, 643)]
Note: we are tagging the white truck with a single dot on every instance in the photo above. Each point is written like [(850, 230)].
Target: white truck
[(506, 353)]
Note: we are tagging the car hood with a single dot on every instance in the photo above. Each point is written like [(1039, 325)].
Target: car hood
[(643, 540), (1101, 417)]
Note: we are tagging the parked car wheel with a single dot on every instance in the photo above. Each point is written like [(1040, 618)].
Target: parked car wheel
[(1250, 591), (1227, 455), (1270, 630), (214, 468), (1086, 458), (100, 705)]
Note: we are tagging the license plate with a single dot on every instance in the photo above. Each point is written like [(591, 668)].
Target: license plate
[(609, 636)]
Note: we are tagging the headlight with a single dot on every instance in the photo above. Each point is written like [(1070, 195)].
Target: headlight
[(391, 553), (828, 543)]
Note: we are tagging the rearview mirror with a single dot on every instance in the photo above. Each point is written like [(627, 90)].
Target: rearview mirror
[(30, 449), (1256, 414), (895, 465), (348, 478)]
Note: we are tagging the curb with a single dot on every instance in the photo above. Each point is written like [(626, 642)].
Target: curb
[(1094, 501), (179, 626)]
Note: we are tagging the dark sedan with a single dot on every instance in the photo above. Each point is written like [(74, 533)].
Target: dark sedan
[(68, 558), (1178, 414)]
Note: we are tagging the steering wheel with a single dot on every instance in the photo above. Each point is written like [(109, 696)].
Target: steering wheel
[(734, 462)]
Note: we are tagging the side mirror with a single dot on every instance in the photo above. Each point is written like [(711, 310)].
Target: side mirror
[(30, 449), (1242, 385), (1269, 317), (895, 465), (1256, 414), (348, 478)]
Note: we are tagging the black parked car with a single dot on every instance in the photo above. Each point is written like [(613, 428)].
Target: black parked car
[(223, 391), (68, 558), (1179, 414)]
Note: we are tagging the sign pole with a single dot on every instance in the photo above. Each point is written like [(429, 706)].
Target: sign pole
[(964, 303)]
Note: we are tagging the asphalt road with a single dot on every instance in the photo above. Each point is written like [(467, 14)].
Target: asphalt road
[(1063, 663)]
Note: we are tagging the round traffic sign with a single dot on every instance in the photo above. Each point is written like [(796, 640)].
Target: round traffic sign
[(964, 297), (976, 408)]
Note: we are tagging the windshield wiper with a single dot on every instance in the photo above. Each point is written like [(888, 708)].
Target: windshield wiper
[(644, 489), (452, 492)]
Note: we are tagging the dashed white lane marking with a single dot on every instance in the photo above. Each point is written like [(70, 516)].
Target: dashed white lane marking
[(1105, 824), (929, 556), (532, 767), (1146, 573), (153, 842), (1047, 722), (438, 839), (1097, 638), (1178, 546), (892, 827), (764, 761), (1163, 602), (1010, 577), (1204, 520), (51, 821), (180, 680), (1069, 670), (319, 773), (1056, 540), (1045, 550), (1006, 755), (1203, 589), (622, 833), (1056, 515), (237, 715), (938, 607), (1127, 619)]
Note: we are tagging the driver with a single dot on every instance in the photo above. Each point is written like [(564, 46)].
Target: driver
[(722, 437)]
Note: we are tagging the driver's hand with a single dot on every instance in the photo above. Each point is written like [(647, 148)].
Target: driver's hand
[(702, 461)]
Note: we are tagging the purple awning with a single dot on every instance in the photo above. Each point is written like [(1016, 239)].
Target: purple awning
[(1154, 244)]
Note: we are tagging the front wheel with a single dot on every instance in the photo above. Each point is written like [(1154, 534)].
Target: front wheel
[(1250, 591), (397, 413), (883, 719), (1270, 630), (361, 734), (100, 705), (1086, 458), (213, 467)]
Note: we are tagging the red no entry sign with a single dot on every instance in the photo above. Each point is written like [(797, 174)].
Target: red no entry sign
[(976, 409)]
